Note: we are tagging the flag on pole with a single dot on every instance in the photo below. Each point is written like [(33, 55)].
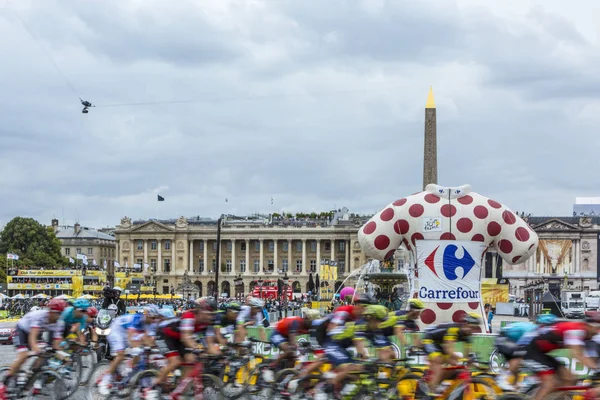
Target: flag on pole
[(85, 261), (160, 198), (116, 264), (104, 264), (94, 262), (11, 256), (82, 257), (71, 260)]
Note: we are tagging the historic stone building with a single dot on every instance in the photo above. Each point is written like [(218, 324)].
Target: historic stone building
[(251, 249), (567, 256)]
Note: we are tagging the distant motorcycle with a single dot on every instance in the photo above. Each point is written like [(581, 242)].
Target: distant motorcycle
[(103, 321)]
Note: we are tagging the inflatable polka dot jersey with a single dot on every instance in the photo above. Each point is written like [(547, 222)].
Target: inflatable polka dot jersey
[(461, 215)]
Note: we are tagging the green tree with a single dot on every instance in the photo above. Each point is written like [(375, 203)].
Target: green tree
[(35, 244)]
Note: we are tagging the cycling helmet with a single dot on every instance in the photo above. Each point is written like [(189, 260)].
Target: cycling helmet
[(118, 289), (365, 298), (206, 304), (82, 304), (233, 306), (256, 303), (546, 319), (310, 314), (57, 305), (592, 317), (151, 310), (167, 313), (92, 312), (472, 318), (416, 304), (377, 311)]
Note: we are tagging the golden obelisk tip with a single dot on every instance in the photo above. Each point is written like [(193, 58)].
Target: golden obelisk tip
[(430, 100)]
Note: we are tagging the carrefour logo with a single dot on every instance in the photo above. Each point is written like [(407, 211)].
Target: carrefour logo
[(450, 263)]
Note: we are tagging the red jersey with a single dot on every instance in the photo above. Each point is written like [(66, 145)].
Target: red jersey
[(559, 335), (187, 323), (293, 325)]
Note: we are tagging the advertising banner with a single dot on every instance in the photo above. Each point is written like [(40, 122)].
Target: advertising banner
[(40, 272), (93, 288), (493, 293), (449, 270), (129, 275), (40, 286)]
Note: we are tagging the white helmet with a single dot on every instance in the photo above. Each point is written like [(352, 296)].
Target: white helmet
[(118, 289), (254, 302)]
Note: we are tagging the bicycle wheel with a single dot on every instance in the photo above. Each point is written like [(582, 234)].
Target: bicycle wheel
[(87, 366), (47, 385), (94, 379), (141, 381), (211, 389), (70, 373), (479, 389)]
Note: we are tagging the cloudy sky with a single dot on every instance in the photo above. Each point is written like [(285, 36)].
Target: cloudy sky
[(314, 103)]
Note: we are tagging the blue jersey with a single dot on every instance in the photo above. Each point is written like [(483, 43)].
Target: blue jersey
[(68, 316), (131, 322)]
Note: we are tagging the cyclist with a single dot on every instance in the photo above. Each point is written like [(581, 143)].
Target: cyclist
[(127, 331), (376, 325), (406, 321), (226, 321), (92, 313), (29, 330), (439, 344), (177, 339), (251, 315), (75, 318), (571, 335), (341, 336)]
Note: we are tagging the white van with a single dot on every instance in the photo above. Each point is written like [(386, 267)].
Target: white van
[(592, 300)]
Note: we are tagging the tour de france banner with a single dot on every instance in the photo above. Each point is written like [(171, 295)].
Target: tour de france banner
[(449, 271)]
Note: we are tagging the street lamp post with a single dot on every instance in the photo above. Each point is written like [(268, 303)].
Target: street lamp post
[(218, 266), (284, 289)]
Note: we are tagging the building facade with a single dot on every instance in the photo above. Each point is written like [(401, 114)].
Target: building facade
[(93, 244), (185, 250), (566, 258)]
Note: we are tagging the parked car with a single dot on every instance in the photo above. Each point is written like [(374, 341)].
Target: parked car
[(6, 335)]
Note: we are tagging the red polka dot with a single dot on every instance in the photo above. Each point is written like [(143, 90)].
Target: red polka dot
[(389, 255), (494, 204), (464, 225), (387, 214), (494, 228), (370, 228), (458, 315), (416, 210), (432, 198), (406, 244), (509, 217), (480, 212), (416, 236), (474, 305), (522, 234), (505, 246), (444, 306), (428, 316), (401, 226), (475, 329), (447, 236), (382, 242), (399, 202), (465, 200), (515, 259), (448, 210), (478, 238)]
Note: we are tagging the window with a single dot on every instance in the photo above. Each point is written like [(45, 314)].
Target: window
[(243, 246), (243, 266), (328, 246), (200, 265), (341, 267), (214, 266), (284, 265), (113, 252), (214, 246), (229, 246), (271, 245), (167, 245), (313, 246), (78, 251), (257, 245), (153, 265), (90, 251), (284, 246), (228, 266), (67, 251), (313, 265), (153, 245), (202, 245), (140, 245), (298, 246), (256, 266), (167, 266), (298, 265), (342, 245), (270, 266)]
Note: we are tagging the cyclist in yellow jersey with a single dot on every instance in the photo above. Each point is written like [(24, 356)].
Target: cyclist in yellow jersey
[(406, 321), (377, 326)]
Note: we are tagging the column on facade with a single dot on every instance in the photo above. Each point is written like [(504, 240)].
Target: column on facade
[(261, 255), (347, 258), (191, 263), (318, 262), (117, 255), (275, 263), (145, 253), (304, 256), (233, 256), (577, 257), (248, 269), (494, 264), (131, 253), (205, 255), (542, 268), (533, 262), (290, 243), (173, 255), (332, 258), (159, 263)]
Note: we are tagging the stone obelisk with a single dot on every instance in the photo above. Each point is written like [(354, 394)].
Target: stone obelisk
[(430, 150)]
